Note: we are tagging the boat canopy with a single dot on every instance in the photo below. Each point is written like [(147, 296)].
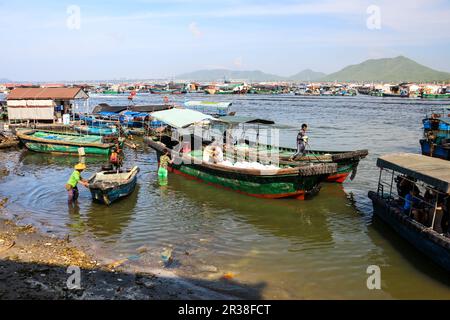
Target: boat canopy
[(236, 120), (433, 171), (180, 118)]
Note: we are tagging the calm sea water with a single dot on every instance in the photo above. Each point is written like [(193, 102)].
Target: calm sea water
[(313, 249)]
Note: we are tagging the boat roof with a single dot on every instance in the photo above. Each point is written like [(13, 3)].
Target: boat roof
[(180, 118), (433, 171), (240, 119)]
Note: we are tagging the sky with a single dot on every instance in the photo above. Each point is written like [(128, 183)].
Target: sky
[(148, 39)]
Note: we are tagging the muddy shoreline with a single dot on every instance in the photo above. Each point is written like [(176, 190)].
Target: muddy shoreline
[(35, 266)]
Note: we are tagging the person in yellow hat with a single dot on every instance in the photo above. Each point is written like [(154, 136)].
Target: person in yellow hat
[(71, 185)]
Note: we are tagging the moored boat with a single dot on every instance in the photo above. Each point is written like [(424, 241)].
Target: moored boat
[(436, 140), (347, 161), (258, 179), (422, 223), (298, 182), (58, 142), (109, 186)]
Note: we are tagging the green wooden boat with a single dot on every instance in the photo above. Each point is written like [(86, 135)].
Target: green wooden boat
[(298, 182), (58, 142)]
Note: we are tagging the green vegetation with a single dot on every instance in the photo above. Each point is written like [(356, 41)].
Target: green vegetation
[(399, 69)]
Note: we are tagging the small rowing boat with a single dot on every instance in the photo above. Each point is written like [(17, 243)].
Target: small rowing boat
[(109, 186)]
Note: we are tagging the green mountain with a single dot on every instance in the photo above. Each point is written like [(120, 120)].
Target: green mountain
[(221, 74), (307, 75), (399, 69)]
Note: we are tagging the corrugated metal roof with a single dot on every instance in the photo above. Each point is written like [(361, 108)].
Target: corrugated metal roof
[(45, 93), (433, 171)]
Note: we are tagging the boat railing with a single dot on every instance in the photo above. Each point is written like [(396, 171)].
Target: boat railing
[(393, 199)]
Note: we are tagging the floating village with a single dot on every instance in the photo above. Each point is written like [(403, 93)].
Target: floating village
[(208, 141)]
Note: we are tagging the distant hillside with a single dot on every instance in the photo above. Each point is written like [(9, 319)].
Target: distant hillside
[(4, 80), (397, 69), (307, 75), (221, 74)]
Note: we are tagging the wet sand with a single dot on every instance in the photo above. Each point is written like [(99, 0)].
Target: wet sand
[(34, 266)]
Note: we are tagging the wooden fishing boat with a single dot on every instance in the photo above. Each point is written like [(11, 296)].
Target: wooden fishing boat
[(109, 186), (97, 131), (298, 182), (58, 142), (347, 161), (425, 234)]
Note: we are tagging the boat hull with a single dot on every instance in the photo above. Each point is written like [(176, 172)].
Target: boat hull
[(436, 151), (425, 240), (347, 162), (53, 148), (109, 195)]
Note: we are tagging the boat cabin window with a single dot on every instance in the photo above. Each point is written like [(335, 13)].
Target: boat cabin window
[(417, 200)]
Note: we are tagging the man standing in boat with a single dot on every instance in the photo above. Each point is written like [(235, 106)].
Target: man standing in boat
[(72, 184), (302, 139)]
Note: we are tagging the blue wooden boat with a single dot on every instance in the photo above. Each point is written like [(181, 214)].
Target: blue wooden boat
[(436, 132), (422, 226), (97, 131), (109, 186)]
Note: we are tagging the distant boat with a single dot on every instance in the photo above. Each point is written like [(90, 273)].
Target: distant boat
[(210, 107), (57, 142), (109, 186), (436, 96)]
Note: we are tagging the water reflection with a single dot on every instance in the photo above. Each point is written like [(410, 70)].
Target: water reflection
[(107, 221), (299, 221)]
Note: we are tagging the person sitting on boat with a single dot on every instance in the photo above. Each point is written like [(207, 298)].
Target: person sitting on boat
[(208, 153), (302, 139), (72, 184), (404, 186), (217, 155), (164, 161), (411, 201)]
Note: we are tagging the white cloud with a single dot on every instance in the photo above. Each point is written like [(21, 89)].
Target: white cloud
[(237, 62), (193, 28)]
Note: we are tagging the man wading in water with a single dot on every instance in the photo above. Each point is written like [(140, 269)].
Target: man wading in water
[(302, 139), (164, 161), (71, 185)]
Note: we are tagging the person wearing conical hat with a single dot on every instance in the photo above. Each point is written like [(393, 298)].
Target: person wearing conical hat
[(72, 183)]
